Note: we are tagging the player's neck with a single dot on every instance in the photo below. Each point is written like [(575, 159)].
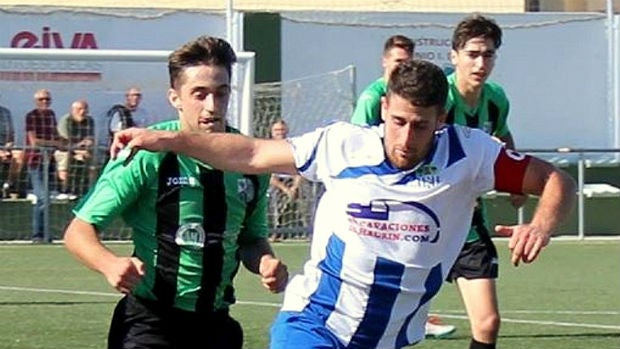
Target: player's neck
[(470, 94), (386, 77)]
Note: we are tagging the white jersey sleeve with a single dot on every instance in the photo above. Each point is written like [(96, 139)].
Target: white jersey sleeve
[(328, 151)]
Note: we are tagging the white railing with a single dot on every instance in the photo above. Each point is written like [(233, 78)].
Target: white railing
[(583, 159)]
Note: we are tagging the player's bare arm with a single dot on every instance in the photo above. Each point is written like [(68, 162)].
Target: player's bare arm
[(122, 273), (225, 151), (557, 198)]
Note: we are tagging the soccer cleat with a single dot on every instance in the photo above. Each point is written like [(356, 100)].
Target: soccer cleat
[(434, 328)]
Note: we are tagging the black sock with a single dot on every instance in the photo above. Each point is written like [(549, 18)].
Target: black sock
[(478, 345)]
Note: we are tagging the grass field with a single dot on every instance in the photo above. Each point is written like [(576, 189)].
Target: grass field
[(568, 299)]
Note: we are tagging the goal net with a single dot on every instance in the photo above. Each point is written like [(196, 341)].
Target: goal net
[(304, 104)]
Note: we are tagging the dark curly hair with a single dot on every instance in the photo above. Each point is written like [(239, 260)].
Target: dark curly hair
[(420, 82)]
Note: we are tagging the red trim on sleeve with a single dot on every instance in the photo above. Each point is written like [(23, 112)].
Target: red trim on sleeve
[(510, 169)]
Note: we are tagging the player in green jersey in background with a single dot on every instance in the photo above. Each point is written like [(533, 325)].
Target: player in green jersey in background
[(192, 224), (476, 102), (396, 49)]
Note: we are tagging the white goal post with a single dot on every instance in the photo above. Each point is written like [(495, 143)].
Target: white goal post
[(242, 79)]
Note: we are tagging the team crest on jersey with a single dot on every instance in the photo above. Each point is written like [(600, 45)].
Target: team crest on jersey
[(190, 235), (245, 189), (427, 170), (407, 222)]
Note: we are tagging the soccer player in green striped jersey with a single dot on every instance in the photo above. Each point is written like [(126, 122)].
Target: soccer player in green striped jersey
[(192, 225), (476, 102)]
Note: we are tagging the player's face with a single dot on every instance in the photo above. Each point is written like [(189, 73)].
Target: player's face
[(391, 59), (409, 130), (474, 62), (201, 98)]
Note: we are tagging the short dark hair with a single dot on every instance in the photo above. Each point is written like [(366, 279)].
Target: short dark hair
[(399, 41), (474, 26), (205, 50), (420, 82)]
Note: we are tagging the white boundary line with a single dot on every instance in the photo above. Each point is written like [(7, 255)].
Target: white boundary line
[(48, 290), (445, 313), (539, 322)]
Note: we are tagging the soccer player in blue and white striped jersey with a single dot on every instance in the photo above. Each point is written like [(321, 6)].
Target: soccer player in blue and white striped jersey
[(396, 211)]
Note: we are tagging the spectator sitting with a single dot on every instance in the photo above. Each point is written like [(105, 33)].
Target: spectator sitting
[(9, 157), (77, 128)]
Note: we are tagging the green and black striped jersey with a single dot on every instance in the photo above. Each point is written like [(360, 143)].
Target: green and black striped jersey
[(489, 115), (187, 222)]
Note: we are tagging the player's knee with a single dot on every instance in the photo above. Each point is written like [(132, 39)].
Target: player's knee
[(488, 325)]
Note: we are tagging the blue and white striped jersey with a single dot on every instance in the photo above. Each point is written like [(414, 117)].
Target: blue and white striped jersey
[(384, 239)]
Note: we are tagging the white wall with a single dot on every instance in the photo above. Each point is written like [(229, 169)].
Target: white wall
[(552, 66), (139, 29)]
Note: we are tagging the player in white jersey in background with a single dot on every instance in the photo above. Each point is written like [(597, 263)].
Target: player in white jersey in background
[(395, 214)]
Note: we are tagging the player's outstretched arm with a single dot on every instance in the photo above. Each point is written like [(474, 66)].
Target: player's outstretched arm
[(225, 151), (122, 273), (557, 199)]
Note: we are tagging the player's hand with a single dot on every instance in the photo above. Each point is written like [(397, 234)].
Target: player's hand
[(125, 273), (517, 200), (526, 241), (274, 273), (139, 138)]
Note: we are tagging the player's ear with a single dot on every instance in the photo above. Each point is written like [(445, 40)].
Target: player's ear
[(453, 56), (384, 107), (174, 99)]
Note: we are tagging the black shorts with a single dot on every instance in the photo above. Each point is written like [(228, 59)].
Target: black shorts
[(477, 260), (138, 323)]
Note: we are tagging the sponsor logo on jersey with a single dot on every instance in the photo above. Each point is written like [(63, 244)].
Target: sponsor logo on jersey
[(181, 181), (394, 221)]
